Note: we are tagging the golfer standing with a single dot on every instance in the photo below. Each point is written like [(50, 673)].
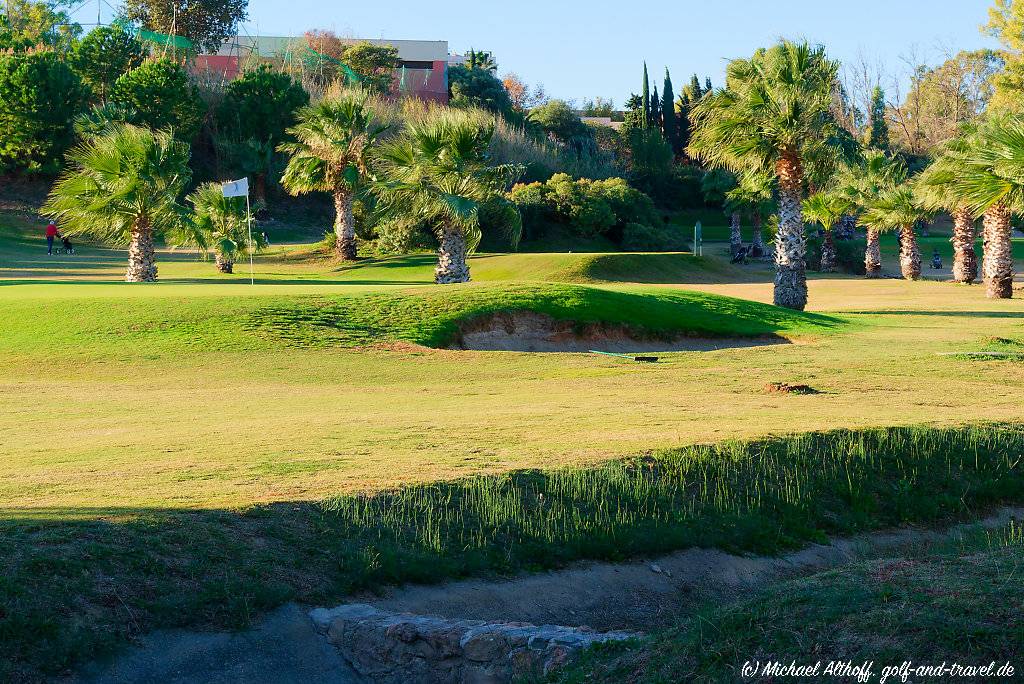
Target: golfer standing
[(51, 233)]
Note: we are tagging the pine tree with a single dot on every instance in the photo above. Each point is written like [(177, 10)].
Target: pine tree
[(656, 110), (634, 113), (646, 95), (668, 114), (695, 92), (878, 135)]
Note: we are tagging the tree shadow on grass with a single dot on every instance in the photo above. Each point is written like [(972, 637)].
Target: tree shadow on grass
[(963, 314), (78, 582)]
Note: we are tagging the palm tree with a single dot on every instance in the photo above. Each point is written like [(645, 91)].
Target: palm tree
[(861, 184), (481, 60), (990, 181), (896, 208), (752, 195), (122, 187), (826, 208), (716, 186), (224, 224), (251, 157), (333, 139), (936, 191), (437, 173), (773, 114)]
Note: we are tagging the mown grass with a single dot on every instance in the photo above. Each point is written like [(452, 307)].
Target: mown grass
[(957, 601), (426, 316), (78, 583)]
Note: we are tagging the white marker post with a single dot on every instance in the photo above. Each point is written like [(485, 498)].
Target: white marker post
[(239, 188)]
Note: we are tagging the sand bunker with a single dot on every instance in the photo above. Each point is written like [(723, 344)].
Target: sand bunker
[(527, 331)]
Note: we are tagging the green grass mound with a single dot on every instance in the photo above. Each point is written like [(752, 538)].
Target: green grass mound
[(562, 267), (428, 316), (959, 603), (664, 268), (995, 349), (431, 317)]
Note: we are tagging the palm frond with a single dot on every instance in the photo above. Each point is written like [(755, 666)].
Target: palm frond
[(332, 141), (438, 173), (114, 179), (775, 104)]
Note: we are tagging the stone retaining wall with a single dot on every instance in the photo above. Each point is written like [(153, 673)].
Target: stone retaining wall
[(390, 648)]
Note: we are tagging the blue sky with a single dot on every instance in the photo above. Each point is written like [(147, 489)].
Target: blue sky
[(582, 49)]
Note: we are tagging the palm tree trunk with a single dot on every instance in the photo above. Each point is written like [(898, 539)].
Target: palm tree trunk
[(224, 265), (965, 259), (873, 256), (757, 249), (846, 228), (259, 190), (998, 259), (735, 236), (344, 225), (828, 253), (452, 265), (790, 242), (910, 254), (141, 253)]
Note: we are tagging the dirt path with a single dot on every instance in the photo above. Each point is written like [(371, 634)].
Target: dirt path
[(284, 648), (644, 594)]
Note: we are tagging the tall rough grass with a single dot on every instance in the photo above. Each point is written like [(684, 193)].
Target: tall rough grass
[(512, 144), (761, 496)]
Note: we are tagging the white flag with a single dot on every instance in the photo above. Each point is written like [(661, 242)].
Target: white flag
[(238, 188)]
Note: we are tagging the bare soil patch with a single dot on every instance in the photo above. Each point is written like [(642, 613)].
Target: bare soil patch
[(786, 388), (527, 331), (645, 595)]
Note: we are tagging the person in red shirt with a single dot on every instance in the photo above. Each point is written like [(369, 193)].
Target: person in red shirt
[(51, 233)]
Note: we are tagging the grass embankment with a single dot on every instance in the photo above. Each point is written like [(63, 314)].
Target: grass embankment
[(428, 316), (958, 602), (77, 583)]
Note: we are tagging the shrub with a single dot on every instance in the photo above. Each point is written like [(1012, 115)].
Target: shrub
[(587, 207), (637, 237), (501, 225), (478, 88), (581, 204), (626, 202), (396, 237), (849, 255), (41, 97), (557, 119), (162, 95)]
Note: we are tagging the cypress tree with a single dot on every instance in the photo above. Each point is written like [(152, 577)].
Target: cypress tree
[(668, 113), (646, 95), (656, 109), (878, 136), (707, 85)]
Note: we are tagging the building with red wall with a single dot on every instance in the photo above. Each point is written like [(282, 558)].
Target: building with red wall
[(423, 72)]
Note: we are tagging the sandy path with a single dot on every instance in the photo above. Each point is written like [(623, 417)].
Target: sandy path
[(284, 648)]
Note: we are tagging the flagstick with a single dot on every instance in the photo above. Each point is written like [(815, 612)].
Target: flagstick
[(248, 216)]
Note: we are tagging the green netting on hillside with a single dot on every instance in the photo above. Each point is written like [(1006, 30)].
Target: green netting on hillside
[(313, 59), (166, 40)]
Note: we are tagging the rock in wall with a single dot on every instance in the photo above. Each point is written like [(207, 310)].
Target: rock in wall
[(390, 648)]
